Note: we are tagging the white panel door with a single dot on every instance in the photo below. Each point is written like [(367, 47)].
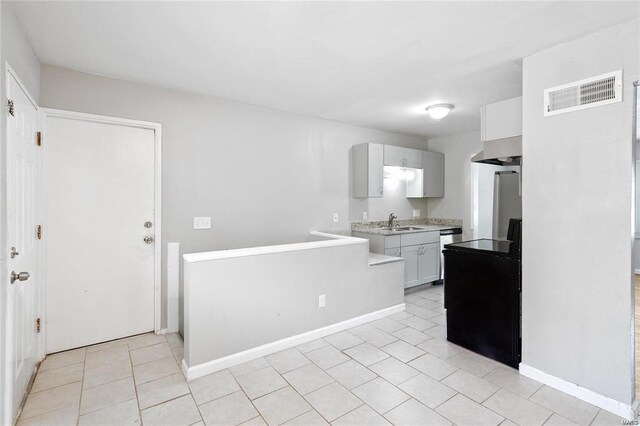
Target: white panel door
[(99, 185), (22, 204)]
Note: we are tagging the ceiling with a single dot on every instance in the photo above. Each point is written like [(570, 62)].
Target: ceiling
[(373, 64)]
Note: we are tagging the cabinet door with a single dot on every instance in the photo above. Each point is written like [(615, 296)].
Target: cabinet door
[(393, 156), (429, 263), (396, 252), (367, 170), (375, 170), (411, 265), (433, 174), (412, 158)]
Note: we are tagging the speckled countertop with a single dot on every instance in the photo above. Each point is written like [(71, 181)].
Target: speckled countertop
[(423, 225)]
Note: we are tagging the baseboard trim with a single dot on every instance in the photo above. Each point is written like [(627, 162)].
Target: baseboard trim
[(162, 331), (209, 367), (618, 408)]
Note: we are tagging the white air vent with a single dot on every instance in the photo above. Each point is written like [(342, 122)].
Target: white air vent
[(591, 92)]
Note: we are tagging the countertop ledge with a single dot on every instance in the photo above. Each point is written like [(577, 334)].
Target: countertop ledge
[(381, 259), (387, 232)]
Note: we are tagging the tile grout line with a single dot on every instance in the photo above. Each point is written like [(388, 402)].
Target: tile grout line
[(135, 385), (81, 388), (246, 396), (303, 396), (125, 344)]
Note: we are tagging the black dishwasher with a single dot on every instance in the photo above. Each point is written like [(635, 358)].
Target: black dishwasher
[(482, 297)]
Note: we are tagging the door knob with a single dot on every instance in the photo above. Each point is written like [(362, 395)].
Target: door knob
[(148, 239), (22, 276)]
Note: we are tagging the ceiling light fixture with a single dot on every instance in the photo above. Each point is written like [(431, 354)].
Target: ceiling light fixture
[(439, 111)]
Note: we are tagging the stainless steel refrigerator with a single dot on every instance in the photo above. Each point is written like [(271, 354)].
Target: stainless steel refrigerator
[(507, 202)]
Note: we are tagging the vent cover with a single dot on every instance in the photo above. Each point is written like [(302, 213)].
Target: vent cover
[(591, 92)]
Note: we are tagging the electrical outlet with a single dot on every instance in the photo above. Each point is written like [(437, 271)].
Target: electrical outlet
[(416, 212), (335, 218), (321, 301), (365, 216), (202, 222)]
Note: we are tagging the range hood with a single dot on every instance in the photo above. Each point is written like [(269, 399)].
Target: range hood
[(500, 152)]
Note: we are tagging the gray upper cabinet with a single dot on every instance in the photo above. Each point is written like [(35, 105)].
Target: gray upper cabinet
[(368, 170), (402, 157), (432, 174), (369, 160)]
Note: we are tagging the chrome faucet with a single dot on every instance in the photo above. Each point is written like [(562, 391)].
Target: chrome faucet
[(391, 218)]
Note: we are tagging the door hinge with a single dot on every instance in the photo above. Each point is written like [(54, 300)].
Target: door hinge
[(10, 107), (37, 325), (39, 138), (39, 232)]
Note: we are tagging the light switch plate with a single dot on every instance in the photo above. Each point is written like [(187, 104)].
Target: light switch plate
[(202, 222), (321, 301), (365, 216), (416, 212), (335, 218)]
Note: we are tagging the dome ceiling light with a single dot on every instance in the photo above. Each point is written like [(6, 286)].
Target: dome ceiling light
[(439, 111)]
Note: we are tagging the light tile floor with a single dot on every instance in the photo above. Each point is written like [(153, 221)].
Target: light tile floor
[(398, 370)]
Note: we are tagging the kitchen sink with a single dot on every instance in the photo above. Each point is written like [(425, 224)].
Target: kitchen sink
[(401, 228)]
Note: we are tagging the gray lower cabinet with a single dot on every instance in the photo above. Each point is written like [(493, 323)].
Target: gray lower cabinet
[(412, 265), (421, 264), (430, 263), (396, 252), (420, 251)]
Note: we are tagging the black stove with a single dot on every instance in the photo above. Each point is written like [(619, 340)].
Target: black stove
[(482, 295)]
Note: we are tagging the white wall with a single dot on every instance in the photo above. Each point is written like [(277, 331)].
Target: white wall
[(265, 177), (15, 50), (271, 293), (456, 203), (578, 219), (394, 201)]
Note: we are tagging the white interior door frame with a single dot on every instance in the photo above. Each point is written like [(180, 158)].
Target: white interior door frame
[(157, 129)]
